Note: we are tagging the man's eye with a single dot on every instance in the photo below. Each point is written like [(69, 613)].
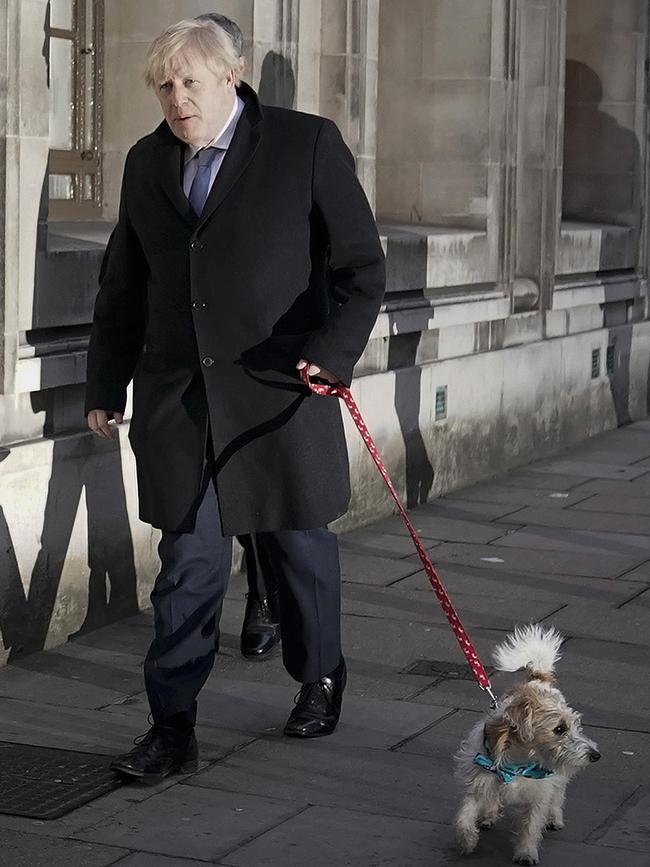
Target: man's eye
[(166, 86), (189, 82)]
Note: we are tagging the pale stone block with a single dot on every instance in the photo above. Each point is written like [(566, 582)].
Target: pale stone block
[(372, 30), (333, 70), (602, 16), (456, 258), (556, 323), (456, 38), (611, 57), (456, 340), (32, 99), (579, 248), (523, 328), (334, 26), (532, 52), (144, 21), (267, 18), (398, 191), (401, 39), (124, 70), (454, 193), (586, 318)]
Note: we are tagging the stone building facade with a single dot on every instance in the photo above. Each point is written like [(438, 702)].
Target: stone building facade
[(503, 146)]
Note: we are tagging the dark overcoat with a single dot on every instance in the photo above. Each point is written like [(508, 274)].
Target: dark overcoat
[(209, 316)]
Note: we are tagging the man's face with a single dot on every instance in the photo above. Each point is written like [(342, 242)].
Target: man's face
[(196, 102)]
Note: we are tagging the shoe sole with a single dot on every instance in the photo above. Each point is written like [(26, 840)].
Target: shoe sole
[(308, 735), (190, 767)]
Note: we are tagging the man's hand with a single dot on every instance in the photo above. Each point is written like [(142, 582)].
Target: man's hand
[(98, 422), (315, 370)]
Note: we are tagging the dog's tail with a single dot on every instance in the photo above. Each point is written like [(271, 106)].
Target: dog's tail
[(531, 647)]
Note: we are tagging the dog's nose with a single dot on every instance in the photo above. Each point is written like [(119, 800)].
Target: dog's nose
[(594, 755)]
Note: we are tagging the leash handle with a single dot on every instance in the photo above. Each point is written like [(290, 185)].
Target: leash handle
[(342, 391)]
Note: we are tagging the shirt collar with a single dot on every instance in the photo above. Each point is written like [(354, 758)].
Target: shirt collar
[(224, 138)]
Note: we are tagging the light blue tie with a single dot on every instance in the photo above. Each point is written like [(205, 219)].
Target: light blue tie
[(200, 188)]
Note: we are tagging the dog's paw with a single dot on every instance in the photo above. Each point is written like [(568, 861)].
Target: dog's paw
[(466, 841), (526, 858), (554, 825)]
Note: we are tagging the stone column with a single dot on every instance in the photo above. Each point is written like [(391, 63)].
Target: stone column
[(534, 68), (24, 145), (348, 79)]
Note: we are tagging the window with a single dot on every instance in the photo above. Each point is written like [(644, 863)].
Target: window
[(75, 79)]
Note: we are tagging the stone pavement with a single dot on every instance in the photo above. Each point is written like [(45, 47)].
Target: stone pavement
[(564, 541)]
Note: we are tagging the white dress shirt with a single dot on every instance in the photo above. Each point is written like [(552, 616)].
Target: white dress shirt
[(222, 140)]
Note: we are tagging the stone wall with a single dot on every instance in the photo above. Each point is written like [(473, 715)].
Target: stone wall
[(516, 318)]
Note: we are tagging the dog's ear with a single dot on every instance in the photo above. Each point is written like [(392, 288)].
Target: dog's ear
[(498, 733), (520, 713)]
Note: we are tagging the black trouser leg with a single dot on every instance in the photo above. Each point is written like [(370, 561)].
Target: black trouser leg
[(186, 598), (306, 564)]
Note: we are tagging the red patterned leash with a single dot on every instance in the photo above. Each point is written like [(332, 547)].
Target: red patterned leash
[(466, 645)]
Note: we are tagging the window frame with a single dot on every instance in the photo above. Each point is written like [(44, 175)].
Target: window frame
[(82, 161)]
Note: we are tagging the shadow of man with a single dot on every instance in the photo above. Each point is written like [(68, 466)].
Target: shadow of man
[(80, 463), (277, 81), (602, 184), (402, 351)]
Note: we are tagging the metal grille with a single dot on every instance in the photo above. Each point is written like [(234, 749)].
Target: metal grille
[(44, 783)]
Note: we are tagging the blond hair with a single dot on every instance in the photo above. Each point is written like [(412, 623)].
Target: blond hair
[(203, 38)]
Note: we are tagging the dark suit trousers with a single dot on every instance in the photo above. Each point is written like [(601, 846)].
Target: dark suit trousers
[(188, 594)]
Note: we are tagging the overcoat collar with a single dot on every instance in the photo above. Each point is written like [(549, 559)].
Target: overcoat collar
[(238, 156)]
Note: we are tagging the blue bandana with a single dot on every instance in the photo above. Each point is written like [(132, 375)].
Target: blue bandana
[(511, 770)]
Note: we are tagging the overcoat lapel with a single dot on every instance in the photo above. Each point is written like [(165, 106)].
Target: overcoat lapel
[(242, 148), (168, 172)]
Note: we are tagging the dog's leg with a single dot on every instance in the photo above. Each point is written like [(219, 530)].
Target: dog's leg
[(489, 814), (466, 824), (531, 829), (555, 818)]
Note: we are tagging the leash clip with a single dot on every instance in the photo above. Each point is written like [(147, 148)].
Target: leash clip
[(494, 703)]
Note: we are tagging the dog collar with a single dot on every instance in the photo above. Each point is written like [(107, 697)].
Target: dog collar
[(511, 770)]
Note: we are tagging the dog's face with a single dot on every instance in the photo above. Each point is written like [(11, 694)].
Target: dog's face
[(537, 724)]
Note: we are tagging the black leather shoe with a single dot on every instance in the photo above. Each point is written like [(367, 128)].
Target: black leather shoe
[(260, 632), (162, 751), (318, 706)]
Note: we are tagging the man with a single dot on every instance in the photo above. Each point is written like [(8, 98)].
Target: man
[(245, 251), (260, 631)]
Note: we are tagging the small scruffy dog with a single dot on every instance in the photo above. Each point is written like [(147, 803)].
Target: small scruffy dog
[(524, 752)]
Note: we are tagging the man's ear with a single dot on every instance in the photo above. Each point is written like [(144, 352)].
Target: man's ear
[(519, 714)]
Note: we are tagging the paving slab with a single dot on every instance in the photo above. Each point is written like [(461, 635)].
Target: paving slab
[(587, 469), (341, 838), (628, 827), (323, 773), (430, 524), (500, 494), (561, 589), (20, 849), (368, 569), (532, 481), (146, 859), (559, 539), (192, 822), (413, 606), (616, 504), (598, 565), (629, 624), (583, 519)]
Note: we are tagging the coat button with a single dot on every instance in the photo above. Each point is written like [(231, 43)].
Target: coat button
[(197, 245), (198, 305), (207, 361)]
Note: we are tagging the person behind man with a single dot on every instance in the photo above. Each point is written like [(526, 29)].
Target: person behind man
[(260, 631), (245, 253)]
